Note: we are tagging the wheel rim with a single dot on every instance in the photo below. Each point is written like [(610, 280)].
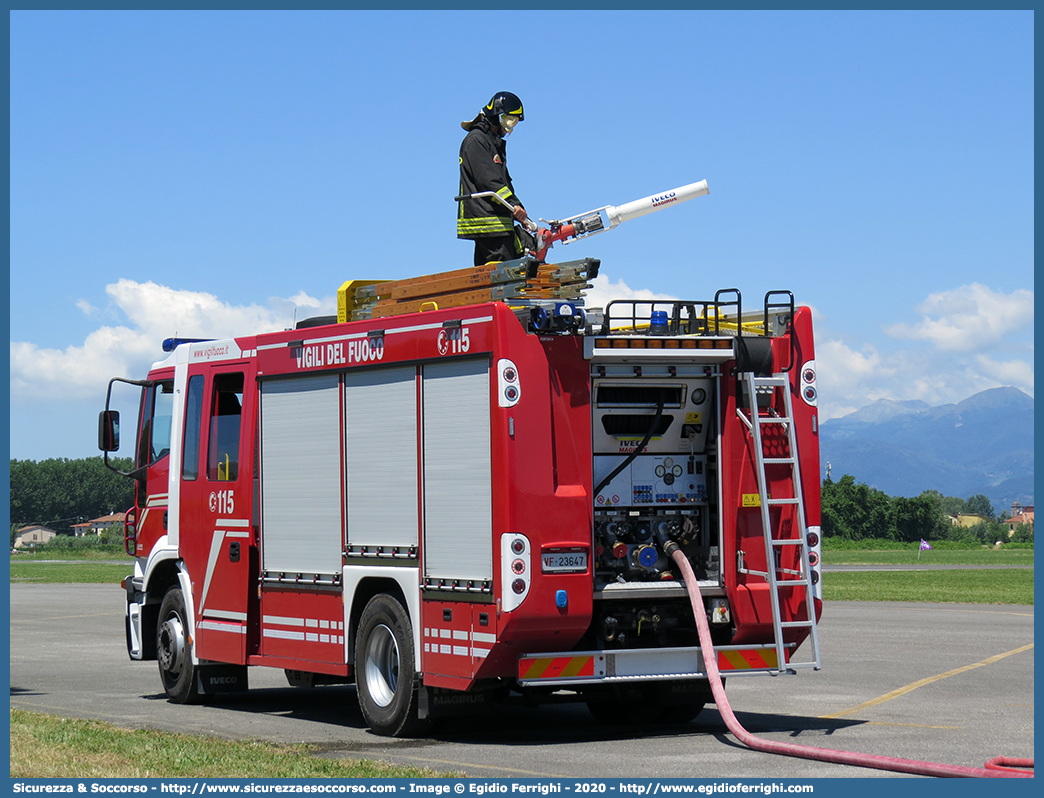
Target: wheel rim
[(382, 666), (171, 648)]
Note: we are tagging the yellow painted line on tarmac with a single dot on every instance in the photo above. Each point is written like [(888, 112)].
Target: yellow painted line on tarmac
[(912, 725), (922, 682)]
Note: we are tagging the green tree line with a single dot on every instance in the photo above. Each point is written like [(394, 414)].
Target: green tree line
[(854, 511), (61, 492)]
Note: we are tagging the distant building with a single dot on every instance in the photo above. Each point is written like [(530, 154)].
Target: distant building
[(1019, 515), (97, 525), (32, 535)]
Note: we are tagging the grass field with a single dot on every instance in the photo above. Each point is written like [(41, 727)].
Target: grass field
[(83, 553), (39, 570), (966, 585), (971, 585), (45, 746), (939, 556)]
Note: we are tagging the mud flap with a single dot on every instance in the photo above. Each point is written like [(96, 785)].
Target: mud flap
[(139, 624), (212, 679), (436, 702)]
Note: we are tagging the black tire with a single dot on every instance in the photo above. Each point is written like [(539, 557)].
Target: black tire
[(385, 676), (625, 705), (680, 713), (174, 651), (668, 703), (682, 701)]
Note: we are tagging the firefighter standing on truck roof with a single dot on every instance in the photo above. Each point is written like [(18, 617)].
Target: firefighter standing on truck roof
[(483, 167)]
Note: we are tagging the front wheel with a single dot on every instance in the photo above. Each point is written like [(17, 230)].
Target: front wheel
[(384, 669), (174, 651)]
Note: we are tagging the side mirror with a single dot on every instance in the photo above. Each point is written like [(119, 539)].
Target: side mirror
[(109, 430)]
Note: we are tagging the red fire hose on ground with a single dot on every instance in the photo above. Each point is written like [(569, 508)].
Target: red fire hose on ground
[(1000, 767)]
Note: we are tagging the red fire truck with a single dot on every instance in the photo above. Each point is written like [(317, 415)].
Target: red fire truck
[(470, 504)]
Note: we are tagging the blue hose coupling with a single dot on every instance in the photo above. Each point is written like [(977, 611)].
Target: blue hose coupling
[(561, 599)]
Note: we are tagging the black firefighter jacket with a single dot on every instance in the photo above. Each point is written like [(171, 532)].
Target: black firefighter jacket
[(483, 167)]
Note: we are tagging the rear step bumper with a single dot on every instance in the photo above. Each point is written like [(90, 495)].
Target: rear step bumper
[(628, 665)]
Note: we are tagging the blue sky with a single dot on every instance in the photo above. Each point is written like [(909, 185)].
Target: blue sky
[(214, 173)]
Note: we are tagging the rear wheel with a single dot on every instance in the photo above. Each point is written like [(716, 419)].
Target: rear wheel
[(679, 713), (650, 703), (682, 701), (174, 651), (625, 705), (384, 669)]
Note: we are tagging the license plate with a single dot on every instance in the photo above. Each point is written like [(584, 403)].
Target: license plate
[(564, 562)]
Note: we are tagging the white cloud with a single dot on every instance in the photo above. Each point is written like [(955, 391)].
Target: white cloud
[(968, 318), (302, 300), (847, 379), (155, 312), (1018, 373), (602, 291), (976, 339)]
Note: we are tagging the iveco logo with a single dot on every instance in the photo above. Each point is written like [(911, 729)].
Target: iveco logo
[(663, 199), (224, 680)]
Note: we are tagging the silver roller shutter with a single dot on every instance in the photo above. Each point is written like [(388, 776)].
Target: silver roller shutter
[(457, 481), (380, 411), (301, 476)]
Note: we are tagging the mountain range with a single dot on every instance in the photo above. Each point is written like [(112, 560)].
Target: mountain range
[(983, 444)]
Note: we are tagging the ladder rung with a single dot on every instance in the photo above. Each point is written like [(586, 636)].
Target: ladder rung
[(778, 382), (774, 419), (777, 460), (794, 624), (791, 582), (792, 542), (782, 501)]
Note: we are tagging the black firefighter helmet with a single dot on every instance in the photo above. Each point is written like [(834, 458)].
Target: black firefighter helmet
[(503, 111)]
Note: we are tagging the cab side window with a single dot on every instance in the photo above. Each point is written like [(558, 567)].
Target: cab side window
[(226, 412), (193, 418), (162, 415), (157, 411)]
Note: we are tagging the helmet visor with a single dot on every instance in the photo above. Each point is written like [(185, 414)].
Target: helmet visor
[(508, 122)]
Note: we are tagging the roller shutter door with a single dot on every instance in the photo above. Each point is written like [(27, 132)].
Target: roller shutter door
[(457, 481), (380, 411), (301, 476)]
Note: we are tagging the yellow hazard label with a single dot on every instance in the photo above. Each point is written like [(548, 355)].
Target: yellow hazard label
[(751, 500), (555, 667), (747, 659), (693, 418)]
